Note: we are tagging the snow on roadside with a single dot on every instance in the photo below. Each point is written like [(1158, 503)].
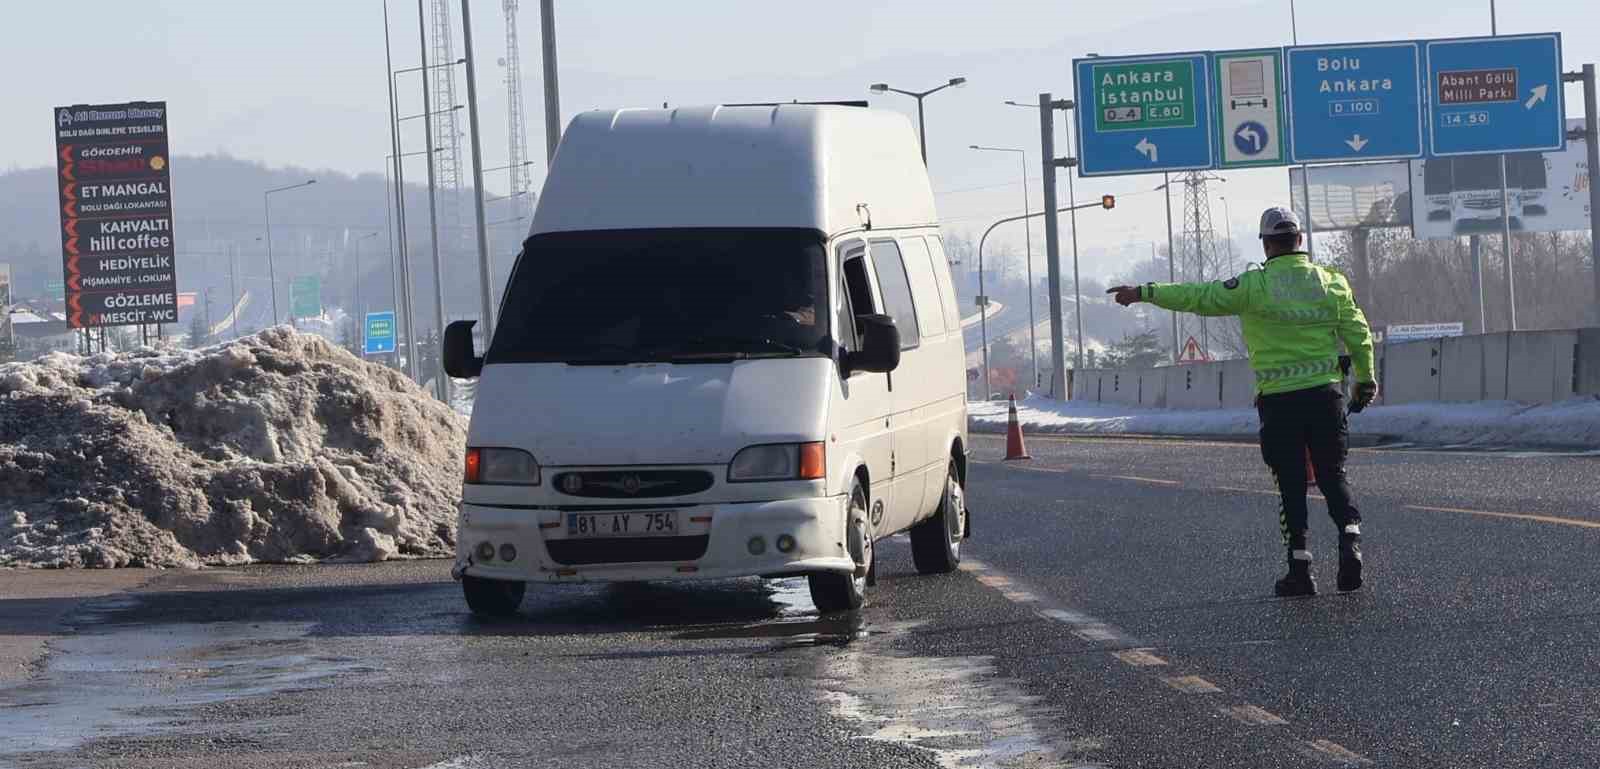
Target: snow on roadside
[(278, 447), (1570, 424)]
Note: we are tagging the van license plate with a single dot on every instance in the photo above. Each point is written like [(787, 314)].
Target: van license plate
[(631, 523)]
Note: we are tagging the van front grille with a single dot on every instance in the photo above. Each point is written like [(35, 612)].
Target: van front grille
[(632, 484)]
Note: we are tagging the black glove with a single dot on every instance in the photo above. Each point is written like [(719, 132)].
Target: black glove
[(1126, 295), (1366, 392)]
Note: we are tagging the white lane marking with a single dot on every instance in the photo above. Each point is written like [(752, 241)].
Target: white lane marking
[(1139, 658), (1254, 716), (1081, 625), (1191, 684), (1327, 749), (1139, 479)]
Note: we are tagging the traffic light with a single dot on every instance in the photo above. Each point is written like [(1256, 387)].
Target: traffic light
[(1108, 202)]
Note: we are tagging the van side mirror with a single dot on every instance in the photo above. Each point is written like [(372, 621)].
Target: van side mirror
[(459, 358), (880, 346)]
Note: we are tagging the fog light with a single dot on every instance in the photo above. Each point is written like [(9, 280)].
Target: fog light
[(785, 543), (508, 552), (757, 546), (485, 551)]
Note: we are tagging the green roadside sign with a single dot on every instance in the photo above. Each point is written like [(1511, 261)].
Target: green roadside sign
[(305, 296), (1144, 95), (55, 289)]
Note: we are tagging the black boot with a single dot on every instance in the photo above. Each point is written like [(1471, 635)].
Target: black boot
[(1298, 581), (1350, 558)]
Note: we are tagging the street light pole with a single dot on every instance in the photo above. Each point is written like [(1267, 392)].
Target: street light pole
[(441, 387), (922, 133), (1027, 223), (486, 287), (266, 207), (402, 277), (1172, 259), (552, 89)]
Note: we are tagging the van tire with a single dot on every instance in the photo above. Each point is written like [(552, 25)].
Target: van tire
[(936, 542), (833, 592), (492, 597)]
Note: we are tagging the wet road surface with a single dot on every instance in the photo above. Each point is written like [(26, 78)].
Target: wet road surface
[(1114, 610)]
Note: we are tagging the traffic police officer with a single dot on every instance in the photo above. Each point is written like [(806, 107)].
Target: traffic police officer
[(1294, 314)]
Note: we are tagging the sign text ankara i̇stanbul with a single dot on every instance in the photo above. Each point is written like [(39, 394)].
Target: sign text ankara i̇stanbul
[(115, 201), (1318, 104)]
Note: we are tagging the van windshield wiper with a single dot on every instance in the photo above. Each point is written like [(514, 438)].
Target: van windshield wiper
[(733, 347), (609, 354)]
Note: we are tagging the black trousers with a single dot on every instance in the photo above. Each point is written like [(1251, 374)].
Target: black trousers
[(1292, 424)]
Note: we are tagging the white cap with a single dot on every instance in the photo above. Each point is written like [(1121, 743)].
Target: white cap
[(1279, 221)]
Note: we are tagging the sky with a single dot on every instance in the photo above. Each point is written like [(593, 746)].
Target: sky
[(301, 82)]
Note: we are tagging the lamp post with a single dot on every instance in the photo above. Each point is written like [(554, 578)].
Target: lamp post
[(922, 131), (358, 316), (266, 207), (1072, 208), (1033, 342)]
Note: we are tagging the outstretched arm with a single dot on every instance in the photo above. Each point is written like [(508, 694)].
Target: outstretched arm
[(1226, 297)]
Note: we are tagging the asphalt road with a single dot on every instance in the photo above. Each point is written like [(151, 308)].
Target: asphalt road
[(1114, 610)]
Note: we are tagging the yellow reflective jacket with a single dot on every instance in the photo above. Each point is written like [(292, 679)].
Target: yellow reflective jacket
[(1294, 315)]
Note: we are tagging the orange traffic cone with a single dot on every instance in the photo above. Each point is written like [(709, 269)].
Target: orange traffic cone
[(1014, 447)]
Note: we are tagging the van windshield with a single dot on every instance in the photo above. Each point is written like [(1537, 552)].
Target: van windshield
[(674, 295)]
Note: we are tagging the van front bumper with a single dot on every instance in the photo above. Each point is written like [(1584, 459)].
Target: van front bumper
[(727, 531)]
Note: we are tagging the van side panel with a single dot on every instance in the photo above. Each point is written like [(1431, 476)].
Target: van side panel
[(939, 391)]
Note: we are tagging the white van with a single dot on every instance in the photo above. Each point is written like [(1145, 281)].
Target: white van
[(729, 347)]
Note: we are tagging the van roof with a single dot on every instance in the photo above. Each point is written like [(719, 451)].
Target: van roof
[(786, 165)]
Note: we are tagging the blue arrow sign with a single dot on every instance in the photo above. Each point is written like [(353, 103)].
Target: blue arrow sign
[(1355, 102), (379, 333), (1494, 95), (1144, 114)]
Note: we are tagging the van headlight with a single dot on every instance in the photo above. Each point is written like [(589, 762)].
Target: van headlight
[(779, 462), (504, 467)]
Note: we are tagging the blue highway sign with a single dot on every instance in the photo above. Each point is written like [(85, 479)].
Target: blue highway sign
[(1494, 95), (379, 333), (1355, 102), (1249, 92), (1144, 114)]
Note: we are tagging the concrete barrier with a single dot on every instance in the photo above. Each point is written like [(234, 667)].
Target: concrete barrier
[(1195, 386), (1238, 384), (1539, 366), (1461, 369), (1525, 366), (1409, 372), (1588, 363)]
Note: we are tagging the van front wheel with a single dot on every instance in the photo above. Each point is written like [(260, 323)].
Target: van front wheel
[(833, 592), (936, 542), (492, 597)]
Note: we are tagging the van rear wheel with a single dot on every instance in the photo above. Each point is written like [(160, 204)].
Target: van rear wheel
[(492, 597), (833, 592), (936, 542)]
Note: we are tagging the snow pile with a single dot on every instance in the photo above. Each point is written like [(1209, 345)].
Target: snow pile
[(1570, 424), (278, 447)]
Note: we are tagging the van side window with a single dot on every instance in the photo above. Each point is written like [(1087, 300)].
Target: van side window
[(896, 288), (919, 267), (856, 294), (941, 274)]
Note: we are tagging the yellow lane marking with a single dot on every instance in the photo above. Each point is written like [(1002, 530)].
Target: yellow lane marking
[(1515, 516), (1254, 716), (1192, 685), (1330, 749), (1138, 479), (1019, 596), (1139, 658)]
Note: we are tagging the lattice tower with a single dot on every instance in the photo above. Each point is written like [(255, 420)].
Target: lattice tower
[(521, 178), (446, 130)]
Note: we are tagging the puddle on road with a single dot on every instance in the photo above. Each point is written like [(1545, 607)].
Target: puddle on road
[(128, 679), (794, 621), (956, 708)]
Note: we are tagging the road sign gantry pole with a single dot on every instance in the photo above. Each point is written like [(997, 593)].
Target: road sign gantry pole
[(1052, 240), (1590, 134)]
